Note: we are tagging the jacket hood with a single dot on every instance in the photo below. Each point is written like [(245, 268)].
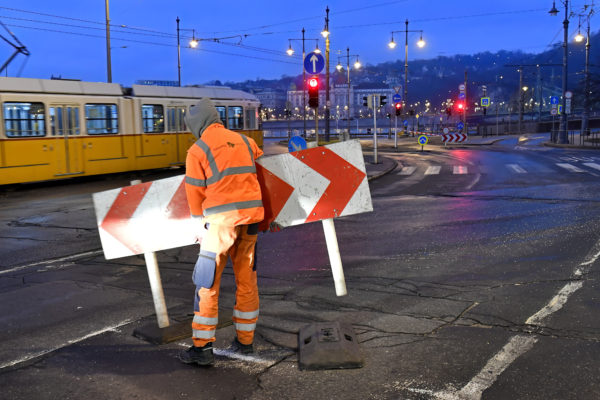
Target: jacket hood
[(201, 116)]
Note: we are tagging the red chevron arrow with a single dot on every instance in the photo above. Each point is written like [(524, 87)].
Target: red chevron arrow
[(344, 180), (116, 221), (275, 193)]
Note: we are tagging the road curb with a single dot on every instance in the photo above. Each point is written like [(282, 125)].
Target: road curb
[(387, 171), (569, 146)]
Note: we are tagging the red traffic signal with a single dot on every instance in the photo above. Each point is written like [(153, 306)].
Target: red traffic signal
[(398, 108), (313, 92), (460, 106)]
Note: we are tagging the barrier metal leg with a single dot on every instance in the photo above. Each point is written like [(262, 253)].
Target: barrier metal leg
[(335, 258)]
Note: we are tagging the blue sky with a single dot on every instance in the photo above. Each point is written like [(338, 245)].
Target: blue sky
[(66, 38)]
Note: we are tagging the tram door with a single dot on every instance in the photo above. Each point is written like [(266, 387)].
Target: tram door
[(176, 126), (65, 128)]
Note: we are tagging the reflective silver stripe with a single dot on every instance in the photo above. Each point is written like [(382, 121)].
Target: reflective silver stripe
[(244, 327), (197, 216), (209, 156), (230, 171), (195, 182), (240, 205), (245, 139), (196, 333), (205, 320), (245, 314)]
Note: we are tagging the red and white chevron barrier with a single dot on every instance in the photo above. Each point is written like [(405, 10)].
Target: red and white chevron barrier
[(300, 187), (454, 137)]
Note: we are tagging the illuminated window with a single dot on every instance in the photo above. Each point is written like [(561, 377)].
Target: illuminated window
[(24, 119), (235, 118), (153, 118), (222, 115), (101, 119)]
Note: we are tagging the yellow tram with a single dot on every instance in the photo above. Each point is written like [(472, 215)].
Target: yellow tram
[(56, 129)]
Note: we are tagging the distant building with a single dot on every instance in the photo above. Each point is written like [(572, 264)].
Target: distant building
[(150, 82), (271, 99), (338, 96)]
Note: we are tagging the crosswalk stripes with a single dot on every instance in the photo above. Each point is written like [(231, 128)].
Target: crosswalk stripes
[(569, 167), (460, 170), (408, 170), (592, 165), (516, 168), (433, 170)]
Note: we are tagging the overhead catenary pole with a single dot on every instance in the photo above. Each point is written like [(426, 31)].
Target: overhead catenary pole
[(108, 61), (178, 55), (303, 84), (348, 92), (585, 116), (405, 99), (563, 137), (521, 95)]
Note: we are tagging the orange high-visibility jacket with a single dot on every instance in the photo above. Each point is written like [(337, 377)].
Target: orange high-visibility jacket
[(221, 182)]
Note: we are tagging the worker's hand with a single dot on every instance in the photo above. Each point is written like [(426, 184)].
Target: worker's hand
[(274, 227), (203, 231)]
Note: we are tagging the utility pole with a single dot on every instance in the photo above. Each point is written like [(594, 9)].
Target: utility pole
[(585, 116), (466, 128), (108, 61), (521, 95), (178, 55)]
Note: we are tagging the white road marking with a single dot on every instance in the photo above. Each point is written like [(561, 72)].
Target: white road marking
[(60, 346), (460, 170), (408, 170), (592, 165), (519, 344), (47, 262), (516, 168), (433, 170), (569, 167)]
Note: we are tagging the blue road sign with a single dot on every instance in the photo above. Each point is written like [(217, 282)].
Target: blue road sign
[(314, 63), (461, 95), (405, 122), (396, 98), (460, 125), (554, 100), (422, 140), (485, 101), (296, 143)]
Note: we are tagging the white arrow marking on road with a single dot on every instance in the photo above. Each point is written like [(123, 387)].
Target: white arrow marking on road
[(569, 167), (516, 168), (433, 170), (314, 60)]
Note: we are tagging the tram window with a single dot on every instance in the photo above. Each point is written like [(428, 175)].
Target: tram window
[(222, 114), (251, 118), (235, 118), (153, 118), (24, 119), (101, 119)]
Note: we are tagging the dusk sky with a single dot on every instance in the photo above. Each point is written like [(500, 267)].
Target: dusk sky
[(67, 38)]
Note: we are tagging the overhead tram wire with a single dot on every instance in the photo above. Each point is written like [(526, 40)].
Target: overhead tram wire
[(152, 43)]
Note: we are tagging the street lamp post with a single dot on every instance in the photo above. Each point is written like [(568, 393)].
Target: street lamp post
[(392, 45), (339, 67), (325, 34), (290, 52), (585, 116), (193, 44), (563, 137)]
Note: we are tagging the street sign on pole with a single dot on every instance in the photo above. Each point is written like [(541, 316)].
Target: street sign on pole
[(461, 87), (314, 63), (485, 102), (460, 125), (554, 100), (461, 95), (396, 98)]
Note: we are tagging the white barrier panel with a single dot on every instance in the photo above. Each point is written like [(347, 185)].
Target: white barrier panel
[(454, 137)]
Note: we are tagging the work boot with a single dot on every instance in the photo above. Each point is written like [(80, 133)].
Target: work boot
[(238, 347), (199, 355)]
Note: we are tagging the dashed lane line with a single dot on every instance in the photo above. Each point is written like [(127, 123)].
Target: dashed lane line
[(516, 168), (519, 344), (433, 170), (48, 262)]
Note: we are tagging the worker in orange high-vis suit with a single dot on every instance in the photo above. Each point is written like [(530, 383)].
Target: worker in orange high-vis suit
[(223, 190)]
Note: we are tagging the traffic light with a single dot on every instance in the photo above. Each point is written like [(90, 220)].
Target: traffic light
[(460, 107), (398, 108), (313, 92), (448, 111), (365, 101), (382, 100)]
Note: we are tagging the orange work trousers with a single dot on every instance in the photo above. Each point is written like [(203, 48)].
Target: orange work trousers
[(219, 243)]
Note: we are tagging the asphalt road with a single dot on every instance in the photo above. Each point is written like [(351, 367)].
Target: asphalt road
[(476, 276)]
